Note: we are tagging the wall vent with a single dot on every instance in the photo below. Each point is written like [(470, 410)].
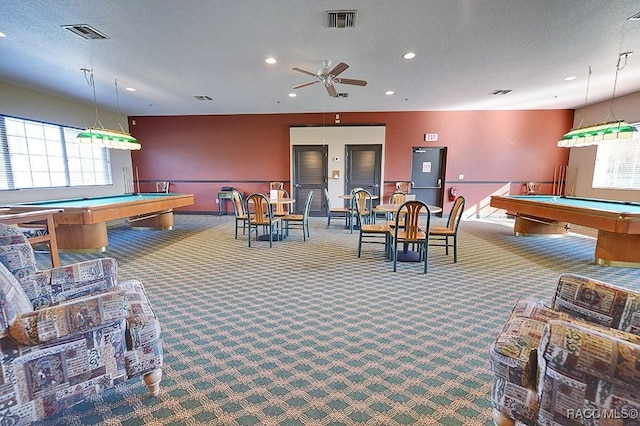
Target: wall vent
[(635, 17), (341, 18), (203, 98), (87, 32), (500, 92)]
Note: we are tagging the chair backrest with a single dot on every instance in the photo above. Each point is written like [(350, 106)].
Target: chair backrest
[(456, 214), (413, 216), (327, 199), (397, 198), (307, 204), (532, 187), (162, 187), (276, 185), (404, 187), (281, 209), (362, 201), (238, 206), (258, 209)]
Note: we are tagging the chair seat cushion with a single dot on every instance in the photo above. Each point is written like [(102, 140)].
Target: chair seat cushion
[(296, 217), (381, 228), (420, 235), (440, 230)]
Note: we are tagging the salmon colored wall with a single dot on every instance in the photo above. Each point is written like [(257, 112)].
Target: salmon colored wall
[(497, 151)]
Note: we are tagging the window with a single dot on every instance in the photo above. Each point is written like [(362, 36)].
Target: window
[(42, 155), (618, 164)]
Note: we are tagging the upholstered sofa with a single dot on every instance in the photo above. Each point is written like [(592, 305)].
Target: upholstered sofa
[(68, 333), (573, 361)]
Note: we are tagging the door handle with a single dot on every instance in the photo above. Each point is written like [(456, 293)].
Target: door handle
[(439, 183), (297, 185)]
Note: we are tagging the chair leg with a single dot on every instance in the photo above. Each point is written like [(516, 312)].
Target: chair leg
[(152, 380), (455, 249), (394, 248), (446, 245), (359, 244), (426, 255)]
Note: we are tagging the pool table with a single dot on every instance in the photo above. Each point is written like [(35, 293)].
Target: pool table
[(82, 225), (617, 222)]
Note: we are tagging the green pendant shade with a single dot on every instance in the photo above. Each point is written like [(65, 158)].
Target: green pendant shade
[(592, 135), (108, 139)]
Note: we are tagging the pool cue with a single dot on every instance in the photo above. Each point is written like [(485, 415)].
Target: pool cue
[(553, 188), (138, 179)]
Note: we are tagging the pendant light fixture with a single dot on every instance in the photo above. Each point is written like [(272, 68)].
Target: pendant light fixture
[(98, 135), (608, 131)]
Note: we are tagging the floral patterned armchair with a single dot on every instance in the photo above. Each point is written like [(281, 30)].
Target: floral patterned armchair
[(573, 361), (68, 333)]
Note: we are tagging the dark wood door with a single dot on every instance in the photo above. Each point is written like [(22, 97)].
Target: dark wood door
[(363, 168), (309, 175)]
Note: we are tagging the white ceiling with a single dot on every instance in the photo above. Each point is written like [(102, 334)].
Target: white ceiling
[(171, 51)]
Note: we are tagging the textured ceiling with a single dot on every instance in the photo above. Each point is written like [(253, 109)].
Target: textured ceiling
[(171, 51)]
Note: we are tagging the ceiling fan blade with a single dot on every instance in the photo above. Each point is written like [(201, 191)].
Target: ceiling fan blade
[(332, 90), (351, 81), (338, 68), (304, 71), (309, 83)]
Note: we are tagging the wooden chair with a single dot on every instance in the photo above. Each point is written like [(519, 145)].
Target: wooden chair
[(300, 220), (404, 187), (335, 211), (361, 207), (260, 215), (281, 210), (532, 188), (443, 234), (38, 227), (163, 187), (276, 185), (239, 211), (415, 231), (370, 233)]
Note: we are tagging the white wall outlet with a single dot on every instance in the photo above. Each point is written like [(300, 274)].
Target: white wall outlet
[(460, 176)]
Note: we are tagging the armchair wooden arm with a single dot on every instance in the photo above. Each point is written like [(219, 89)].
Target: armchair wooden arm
[(9, 217)]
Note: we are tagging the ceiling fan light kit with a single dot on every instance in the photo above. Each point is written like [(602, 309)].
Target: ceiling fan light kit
[(329, 77)]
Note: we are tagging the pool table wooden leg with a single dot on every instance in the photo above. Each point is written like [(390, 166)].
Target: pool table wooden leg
[(528, 226), (160, 220), (616, 249), (82, 238)]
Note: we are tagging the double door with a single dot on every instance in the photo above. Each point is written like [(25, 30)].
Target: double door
[(310, 173)]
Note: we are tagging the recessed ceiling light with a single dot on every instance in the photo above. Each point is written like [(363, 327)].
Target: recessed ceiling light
[(270, 60), (130, 89), (409, 55), (389, 92), (571, 77), (293, 95)]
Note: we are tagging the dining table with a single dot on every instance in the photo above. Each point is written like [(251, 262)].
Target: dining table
[(406, 255), (278, 236)]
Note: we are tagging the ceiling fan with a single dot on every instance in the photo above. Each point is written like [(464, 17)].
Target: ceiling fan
[(329, 77)]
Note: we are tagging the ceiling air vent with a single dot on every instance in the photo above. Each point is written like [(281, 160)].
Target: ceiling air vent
[(87, 32), (500, 92), (203, 98), (635, 17), (341, 18), (342, 95)]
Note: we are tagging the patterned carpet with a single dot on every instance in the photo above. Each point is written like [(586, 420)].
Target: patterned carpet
[(306, 333)]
